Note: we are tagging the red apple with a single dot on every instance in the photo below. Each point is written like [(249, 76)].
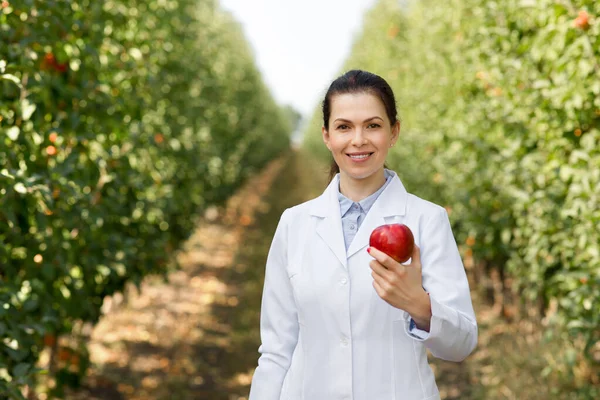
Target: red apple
[(395, 240), (51, 63), (582, 21)]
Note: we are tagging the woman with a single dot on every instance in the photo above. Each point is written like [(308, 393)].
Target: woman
[(340, 319)]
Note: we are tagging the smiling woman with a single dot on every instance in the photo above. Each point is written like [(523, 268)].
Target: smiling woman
[(364, 124), (359, 126), (341, 319)]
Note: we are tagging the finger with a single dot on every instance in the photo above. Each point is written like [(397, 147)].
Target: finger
[(378, 288), (379, 269), (383, 258), (416, 256), (376, 265)]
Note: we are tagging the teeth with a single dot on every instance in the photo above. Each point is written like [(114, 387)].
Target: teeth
[(361, 156)]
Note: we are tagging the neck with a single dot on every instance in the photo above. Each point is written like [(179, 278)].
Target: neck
[(358, 189)]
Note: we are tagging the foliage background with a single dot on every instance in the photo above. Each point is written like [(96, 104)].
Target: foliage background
[(500, 110), (120, 121)]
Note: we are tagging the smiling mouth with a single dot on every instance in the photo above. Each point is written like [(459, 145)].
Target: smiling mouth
[(361, 156)]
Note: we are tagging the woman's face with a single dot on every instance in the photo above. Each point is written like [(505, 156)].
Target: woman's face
[(359, 134)]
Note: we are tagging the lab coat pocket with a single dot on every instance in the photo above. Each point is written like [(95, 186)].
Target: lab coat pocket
[(292, 385), (413, 378)]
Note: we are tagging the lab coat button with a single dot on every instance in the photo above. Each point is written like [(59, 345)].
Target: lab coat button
[(343, 281), (344, 341)]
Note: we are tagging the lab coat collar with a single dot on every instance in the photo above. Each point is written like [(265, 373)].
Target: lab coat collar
[(391, 203)]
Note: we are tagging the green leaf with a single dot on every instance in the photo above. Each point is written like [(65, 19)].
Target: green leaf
[(20, 188), (16, 394), (11, 78), (28, 109), (21, 369), (30, 305), (17, 355), (13, 133)]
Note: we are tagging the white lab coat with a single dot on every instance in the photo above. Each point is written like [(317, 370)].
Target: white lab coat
[(327, 335)]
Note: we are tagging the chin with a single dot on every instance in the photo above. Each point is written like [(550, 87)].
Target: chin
[(360, 173)]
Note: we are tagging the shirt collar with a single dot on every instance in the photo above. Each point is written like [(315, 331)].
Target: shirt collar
[(366, 203)]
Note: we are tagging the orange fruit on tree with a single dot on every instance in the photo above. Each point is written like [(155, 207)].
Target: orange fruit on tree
[(470, 241), (75, 360), (64, 354), (49, 340), (393, 32), (582, 21)]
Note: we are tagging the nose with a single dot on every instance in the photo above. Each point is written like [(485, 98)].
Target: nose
[(358, 139)]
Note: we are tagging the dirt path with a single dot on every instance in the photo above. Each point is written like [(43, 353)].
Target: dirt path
[(196, 337)]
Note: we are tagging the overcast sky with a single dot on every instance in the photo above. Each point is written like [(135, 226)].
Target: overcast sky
[(299, 46)]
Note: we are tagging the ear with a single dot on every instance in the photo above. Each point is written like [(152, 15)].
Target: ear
[(325, 135), (395, 132)]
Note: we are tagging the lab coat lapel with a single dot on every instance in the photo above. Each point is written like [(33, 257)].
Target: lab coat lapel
[(390, 203), (329, 225)]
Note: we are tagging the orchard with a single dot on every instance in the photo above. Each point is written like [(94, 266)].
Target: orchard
[(120, 121), (500, 111)]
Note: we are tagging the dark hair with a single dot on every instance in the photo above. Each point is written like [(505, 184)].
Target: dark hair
[(358, 81)]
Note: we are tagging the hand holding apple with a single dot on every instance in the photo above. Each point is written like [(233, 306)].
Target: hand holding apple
[(401, 286)]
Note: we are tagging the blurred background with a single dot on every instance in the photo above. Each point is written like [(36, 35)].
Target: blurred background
[(148, 149)]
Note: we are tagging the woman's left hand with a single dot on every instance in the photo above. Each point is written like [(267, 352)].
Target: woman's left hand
[(401, 286)]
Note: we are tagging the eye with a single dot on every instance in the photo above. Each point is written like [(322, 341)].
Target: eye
[(342, 127), (374, 126)]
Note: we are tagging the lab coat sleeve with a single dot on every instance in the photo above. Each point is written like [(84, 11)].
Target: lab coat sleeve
[(278, 321), (453, 329), (416, 332)]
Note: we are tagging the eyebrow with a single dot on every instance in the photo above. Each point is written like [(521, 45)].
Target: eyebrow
[(366, 120)]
